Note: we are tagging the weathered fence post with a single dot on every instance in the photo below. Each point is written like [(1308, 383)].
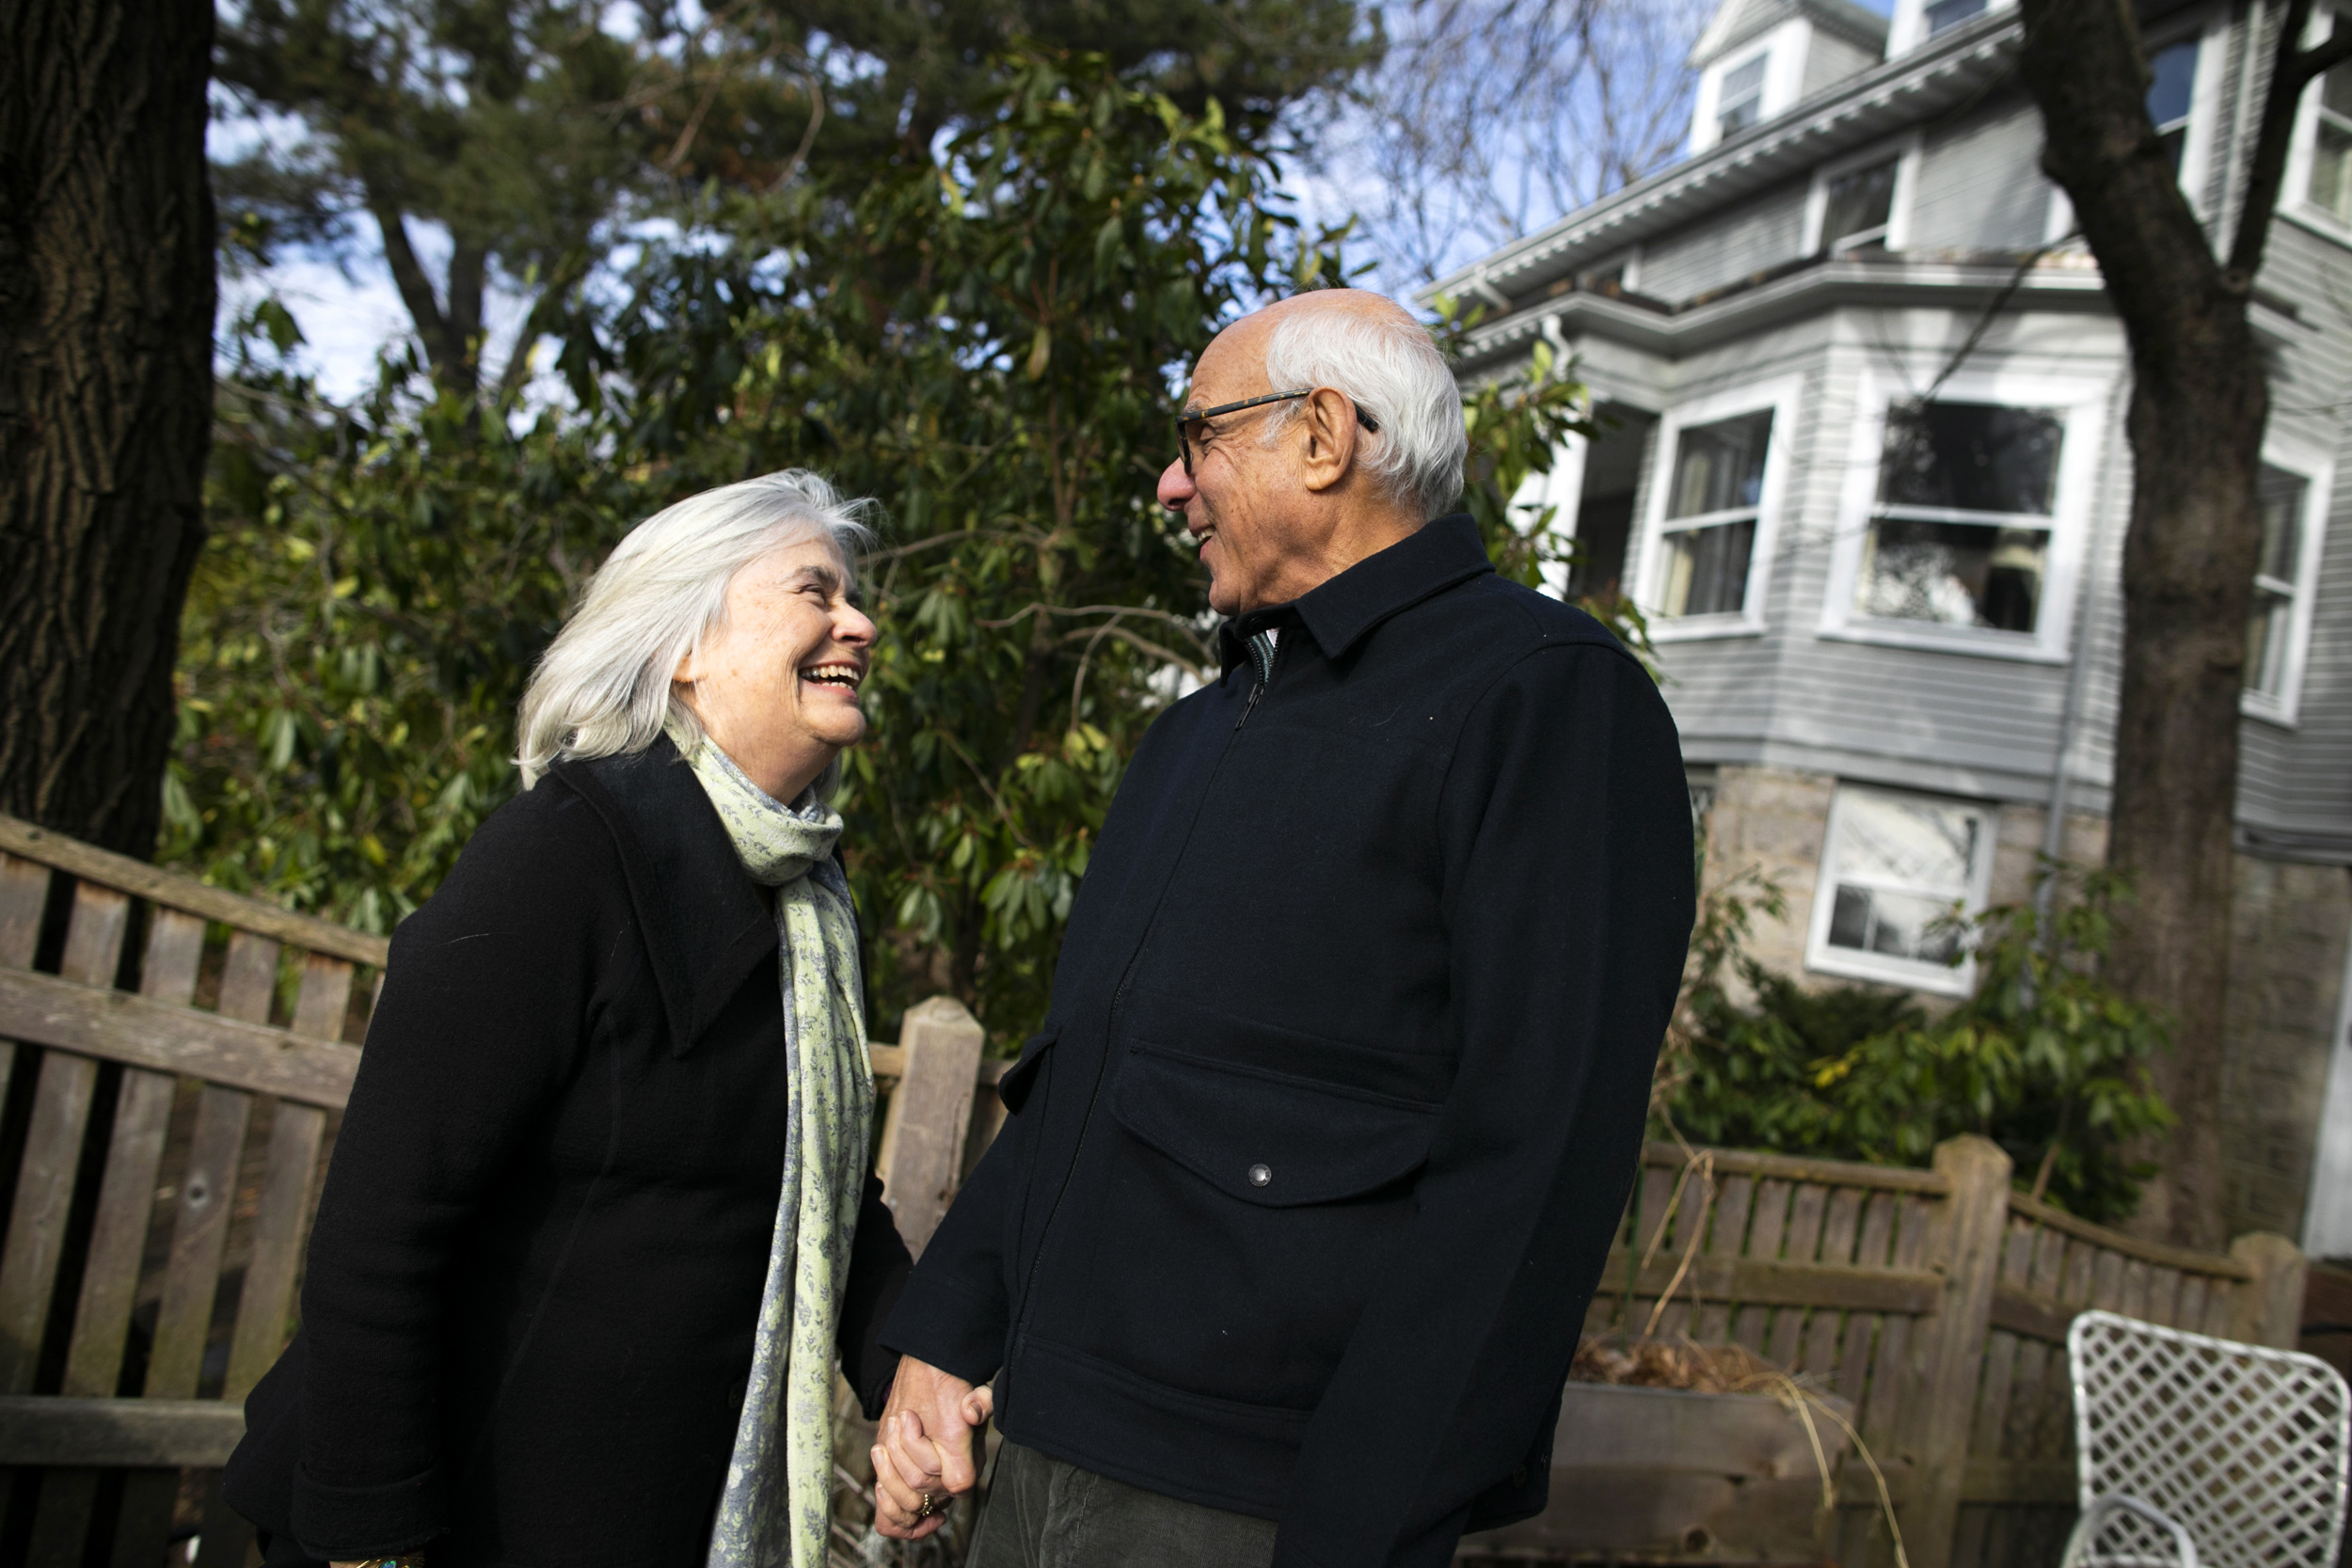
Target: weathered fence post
[(924, 1130), (2267, 1309), (1964, 1243)]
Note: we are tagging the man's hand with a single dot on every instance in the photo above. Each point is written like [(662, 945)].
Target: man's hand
[(922, 1454)]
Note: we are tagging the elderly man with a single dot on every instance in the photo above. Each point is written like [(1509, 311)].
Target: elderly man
[(1285, 1248)]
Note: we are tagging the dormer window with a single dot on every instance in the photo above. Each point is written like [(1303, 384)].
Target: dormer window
[(1917, 22), (1741, 104), (1942, 15)]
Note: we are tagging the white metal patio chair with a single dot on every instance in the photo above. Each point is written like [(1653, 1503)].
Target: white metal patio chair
[(2197, 1452)]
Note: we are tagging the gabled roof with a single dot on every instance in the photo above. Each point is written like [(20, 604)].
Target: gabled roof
[(1738, 20), (1888, 98)]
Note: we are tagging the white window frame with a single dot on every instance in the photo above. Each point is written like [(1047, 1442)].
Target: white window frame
[(2081, 403), (2204, 120), (1907, 29), (2317, 470), (2204, 102), (2294, 201), (1780, 395), (1905, 151), (1916, 974), (1785, 47)]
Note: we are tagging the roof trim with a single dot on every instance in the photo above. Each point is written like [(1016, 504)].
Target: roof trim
[(1876, 103)]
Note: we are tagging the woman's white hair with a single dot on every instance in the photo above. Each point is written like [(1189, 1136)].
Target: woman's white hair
[(1388, 363), (602, 689)]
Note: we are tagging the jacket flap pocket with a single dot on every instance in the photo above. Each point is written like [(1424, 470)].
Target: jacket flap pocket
[(1266, 1138), (1014, 1087)]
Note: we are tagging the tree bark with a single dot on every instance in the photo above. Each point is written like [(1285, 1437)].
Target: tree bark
[(2198, 405), (106, 300)]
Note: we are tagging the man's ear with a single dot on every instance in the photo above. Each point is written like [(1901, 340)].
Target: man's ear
[(1331, 433)]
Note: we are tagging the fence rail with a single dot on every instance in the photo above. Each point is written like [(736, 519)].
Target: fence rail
[(174, 1059)]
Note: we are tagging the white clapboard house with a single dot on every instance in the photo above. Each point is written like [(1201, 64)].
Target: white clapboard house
[(1889, 671)]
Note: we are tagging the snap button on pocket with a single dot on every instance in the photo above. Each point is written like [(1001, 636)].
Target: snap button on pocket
[(1261, 1175)]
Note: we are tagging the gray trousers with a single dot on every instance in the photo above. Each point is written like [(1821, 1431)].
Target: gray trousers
[(1043, 1513)]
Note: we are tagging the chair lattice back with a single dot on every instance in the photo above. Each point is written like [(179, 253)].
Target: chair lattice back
[(2245, 1446)]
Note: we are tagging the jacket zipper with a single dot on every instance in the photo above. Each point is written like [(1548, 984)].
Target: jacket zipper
[(1255, 693), (1118, 999)]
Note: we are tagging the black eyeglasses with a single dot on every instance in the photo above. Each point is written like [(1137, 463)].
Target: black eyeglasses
[(1191, 418)]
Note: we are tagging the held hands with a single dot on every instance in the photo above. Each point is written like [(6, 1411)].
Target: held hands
[(922, 1453)]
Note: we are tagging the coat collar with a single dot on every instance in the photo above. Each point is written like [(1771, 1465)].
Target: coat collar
[(706, 925), (1338, 613)]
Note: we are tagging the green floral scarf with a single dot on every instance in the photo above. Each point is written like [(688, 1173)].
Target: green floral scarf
[(776, 1509)]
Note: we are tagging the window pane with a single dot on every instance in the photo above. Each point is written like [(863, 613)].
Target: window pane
[(2331, 167), (2266, 632), (1954, 574), (2280, 495), (2335, 90), (1898, 925), (1707, 569), (1720, 466), (1858, 201), (1743, 96), (1928, 844), (1971, 457), (1951, 13), (2174, 71)]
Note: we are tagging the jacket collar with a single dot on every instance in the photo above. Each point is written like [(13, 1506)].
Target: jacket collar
[(1338, 613), (706, 925)]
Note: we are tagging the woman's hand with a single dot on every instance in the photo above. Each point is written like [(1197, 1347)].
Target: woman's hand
[(923, 1457)]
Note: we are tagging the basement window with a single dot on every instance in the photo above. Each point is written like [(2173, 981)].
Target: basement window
[(1900, 876)]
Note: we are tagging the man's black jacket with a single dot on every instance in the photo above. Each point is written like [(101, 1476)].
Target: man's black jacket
[(1312, 1168), (536, 1277)]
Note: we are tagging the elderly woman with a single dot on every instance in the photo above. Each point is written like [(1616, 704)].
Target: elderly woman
[(600, 1222)]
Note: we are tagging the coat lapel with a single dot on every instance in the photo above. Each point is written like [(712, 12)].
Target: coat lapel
[(706, 925)]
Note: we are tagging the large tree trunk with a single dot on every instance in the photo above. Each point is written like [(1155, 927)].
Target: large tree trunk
[(2198, 400), (106, 298)]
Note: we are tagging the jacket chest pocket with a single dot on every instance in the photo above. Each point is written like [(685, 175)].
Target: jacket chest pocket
[(1269, 1138)]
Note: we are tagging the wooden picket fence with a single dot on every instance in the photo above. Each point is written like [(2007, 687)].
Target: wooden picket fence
[(1936, 1302), (174, 1059)]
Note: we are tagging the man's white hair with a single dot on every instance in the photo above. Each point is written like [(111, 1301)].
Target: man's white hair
[(603, 688), (1386, 362)]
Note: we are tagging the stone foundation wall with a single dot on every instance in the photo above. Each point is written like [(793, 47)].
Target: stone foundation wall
[(2290, 924)]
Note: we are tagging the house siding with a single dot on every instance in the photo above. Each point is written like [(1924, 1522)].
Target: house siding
[(1784, 713), (1763, 233), (1830, 60), (1981, 182)]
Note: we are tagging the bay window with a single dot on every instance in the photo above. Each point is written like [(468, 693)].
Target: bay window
[(1706, 541), (1961, 529)]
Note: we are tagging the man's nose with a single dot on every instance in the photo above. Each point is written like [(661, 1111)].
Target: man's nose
[(1176, 486)]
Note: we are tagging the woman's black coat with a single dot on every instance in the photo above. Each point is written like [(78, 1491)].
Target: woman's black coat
[(535, 1275)]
